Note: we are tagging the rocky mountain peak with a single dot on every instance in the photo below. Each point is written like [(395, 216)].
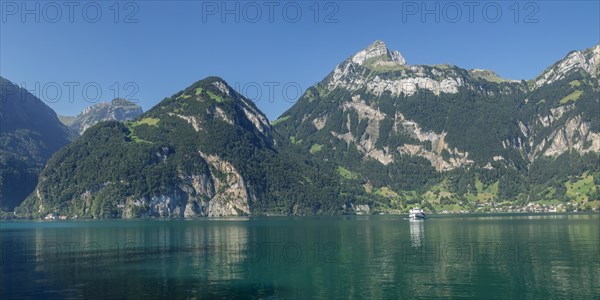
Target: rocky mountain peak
[(214, 86), (213, 98), (118, 109), (96, 106), (488, 75), (587, 60), (379, 69), (593, 58), (482, 72), (121, 102), (378, 51)]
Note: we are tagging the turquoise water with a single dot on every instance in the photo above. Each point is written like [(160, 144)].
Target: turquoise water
[(360, 257)]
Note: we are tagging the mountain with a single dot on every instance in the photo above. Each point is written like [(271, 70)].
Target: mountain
[(453, 139), (586, 61), (205, 151), (487, 75), (116, 110), (30, 133), (375, 135)]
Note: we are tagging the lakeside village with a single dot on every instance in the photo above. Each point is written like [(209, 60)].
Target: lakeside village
[(531, 207), (489, 207)]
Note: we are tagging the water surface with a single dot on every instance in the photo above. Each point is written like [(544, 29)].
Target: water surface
[(360, 257)]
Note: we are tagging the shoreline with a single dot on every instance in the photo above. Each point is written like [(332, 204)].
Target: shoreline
[(288, 217)]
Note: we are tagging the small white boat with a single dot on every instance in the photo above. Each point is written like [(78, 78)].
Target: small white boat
[(416, 214)]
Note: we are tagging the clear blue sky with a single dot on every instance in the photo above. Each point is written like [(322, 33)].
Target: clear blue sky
[(174, 43)]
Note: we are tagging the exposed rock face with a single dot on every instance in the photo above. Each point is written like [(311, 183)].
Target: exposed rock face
[(222, 192), (257, 118), (232, 196), (196, 196), (117, 110), (362, 71), (457, 159), (192, 120), (167, 206), (409, 86), (366, 142), (378, 50), (567, 134), (587, 60), (222, 87), (361, 209), (364, 111), (222, 115), (555, 114), (320, 122), (575, 135)]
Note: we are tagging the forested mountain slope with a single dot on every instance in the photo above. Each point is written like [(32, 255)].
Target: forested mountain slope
[(205, 151), (30, 133), (451, 138)]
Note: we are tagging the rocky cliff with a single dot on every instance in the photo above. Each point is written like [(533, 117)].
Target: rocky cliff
[(116, 110)]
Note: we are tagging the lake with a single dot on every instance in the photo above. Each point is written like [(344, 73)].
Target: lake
[(360, 257)]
